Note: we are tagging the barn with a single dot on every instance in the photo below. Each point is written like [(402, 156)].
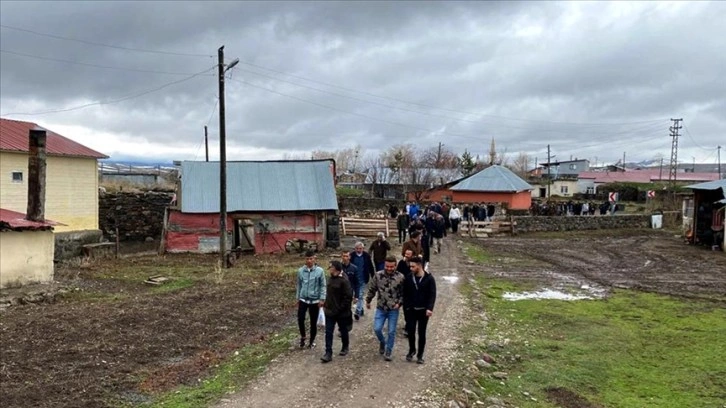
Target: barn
[(271, 206)]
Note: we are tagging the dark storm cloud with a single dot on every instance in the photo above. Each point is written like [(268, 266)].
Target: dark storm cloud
[(498, 69)]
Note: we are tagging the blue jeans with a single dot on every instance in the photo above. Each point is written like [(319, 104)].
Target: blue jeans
[(360, 295), (379, 320)]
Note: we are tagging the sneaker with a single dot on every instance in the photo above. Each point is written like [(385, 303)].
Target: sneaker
[(326, 358), (387, 356), (302, 342), (420, 360), (356, 316), (343, 352), (312, 345), (409, 356), (382, 348)]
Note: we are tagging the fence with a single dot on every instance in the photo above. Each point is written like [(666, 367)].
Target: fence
[(483, 229), (366, 227)]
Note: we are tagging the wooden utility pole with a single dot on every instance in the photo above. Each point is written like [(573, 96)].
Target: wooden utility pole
[(549, 172), (438, 156), (719, 162), (206, 143), (222, 164)]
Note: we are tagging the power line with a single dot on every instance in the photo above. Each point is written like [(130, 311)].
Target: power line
[(125, 98), (118, 47), (440, 108), (688, 132), (95, 65)]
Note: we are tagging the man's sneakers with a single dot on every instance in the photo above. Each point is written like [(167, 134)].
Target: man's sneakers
[(302, 342), (343, 352), (387, 356), (420, 360), (311, 345), (382, 348), (356, 316), (409, 356), (326, 358)]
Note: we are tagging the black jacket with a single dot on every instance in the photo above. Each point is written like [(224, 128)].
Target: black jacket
[(403, 267), (339, 297), (419, 295)]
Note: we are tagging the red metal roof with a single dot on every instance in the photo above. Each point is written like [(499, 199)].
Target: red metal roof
[(15, 221), (644, 176), (14, 137)]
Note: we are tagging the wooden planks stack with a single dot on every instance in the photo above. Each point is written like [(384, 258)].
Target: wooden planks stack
[(365, 227), (484, 229)]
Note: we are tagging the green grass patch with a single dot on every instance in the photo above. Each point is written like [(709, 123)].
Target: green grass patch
[(478, 254), (173, 285), (92, 296), (631, 350), (229, 377)]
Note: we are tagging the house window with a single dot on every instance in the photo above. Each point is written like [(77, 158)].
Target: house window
[(17, 177), (573, 166), (591, 190), (563, 190)]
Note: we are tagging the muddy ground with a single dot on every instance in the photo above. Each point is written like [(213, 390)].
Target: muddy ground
[(113, 338), (653, 261)]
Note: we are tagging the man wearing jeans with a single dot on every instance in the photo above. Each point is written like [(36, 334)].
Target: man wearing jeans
[(310, 295), (364, 266), (388, 284)]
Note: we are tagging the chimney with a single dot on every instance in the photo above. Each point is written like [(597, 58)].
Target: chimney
[(36, 175)]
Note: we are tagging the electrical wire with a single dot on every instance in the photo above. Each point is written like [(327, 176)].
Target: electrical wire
[(149, 71), (109, 102), (688, 132), (440, 108), (118, 47)]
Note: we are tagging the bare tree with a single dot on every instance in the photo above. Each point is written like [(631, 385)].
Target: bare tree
[(295, 156), (520, 165), (345, 159)]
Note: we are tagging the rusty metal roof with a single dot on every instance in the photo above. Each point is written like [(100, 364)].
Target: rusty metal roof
[(294, 185), (15, 221), (494, 178), (14, 137)]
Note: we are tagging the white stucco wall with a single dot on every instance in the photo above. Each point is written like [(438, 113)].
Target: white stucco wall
[(26, 257)]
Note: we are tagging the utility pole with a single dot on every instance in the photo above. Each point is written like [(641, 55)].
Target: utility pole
[(660, 173), (549, 171), (694, 164), (206, 143), (221, 70), (438, 156), (719, 162), (673, 173), (623, 160)]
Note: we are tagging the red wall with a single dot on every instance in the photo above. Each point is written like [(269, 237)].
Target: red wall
[(515, 201), (184, 231)]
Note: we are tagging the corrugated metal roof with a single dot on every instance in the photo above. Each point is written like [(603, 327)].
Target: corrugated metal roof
[(711, 185), (16, 221), (14, 137), (494, 178), (259, 186)]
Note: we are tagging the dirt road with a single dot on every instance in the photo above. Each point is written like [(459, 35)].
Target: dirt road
[(363, 378)]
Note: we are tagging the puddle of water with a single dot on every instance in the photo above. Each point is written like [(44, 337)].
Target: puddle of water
[(551, 294), (451, 279)]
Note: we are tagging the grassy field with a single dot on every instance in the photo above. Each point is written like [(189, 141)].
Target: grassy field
[(632, 349)]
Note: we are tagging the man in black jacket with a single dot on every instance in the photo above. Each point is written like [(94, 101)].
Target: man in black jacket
[(337, 310), (419, 297)]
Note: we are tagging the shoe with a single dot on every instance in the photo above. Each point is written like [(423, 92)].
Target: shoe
[(420, 360), (328, 357), (387, 356), (312, 345), (343, 352), (302, 342), (339, 334), (382, 348), (356, 316), (409, 356)]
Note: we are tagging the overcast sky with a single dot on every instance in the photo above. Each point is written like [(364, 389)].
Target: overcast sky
[(593, 80)]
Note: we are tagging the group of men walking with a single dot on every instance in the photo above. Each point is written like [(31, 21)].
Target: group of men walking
[(396, 285)]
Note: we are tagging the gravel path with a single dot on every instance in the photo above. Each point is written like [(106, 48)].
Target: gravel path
[(363, 378)]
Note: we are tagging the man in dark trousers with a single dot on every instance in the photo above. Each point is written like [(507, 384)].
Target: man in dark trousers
[(379, 249), (419, 297), (402, 223), (364, 266), (310, 296), (337, 310)]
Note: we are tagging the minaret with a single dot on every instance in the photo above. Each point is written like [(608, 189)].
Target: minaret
[(492, 153)]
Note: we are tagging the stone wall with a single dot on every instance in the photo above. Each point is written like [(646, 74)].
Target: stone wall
[(360, 207), (542, 224), (138, 216), (70, 244)]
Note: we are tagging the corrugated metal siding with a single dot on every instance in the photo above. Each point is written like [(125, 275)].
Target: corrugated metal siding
[(14, 137), (494, 178), (259, 186)]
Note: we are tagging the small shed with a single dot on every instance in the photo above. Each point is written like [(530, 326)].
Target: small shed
[(271, 205), (27, 249), (495, 184), (709, 203)]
